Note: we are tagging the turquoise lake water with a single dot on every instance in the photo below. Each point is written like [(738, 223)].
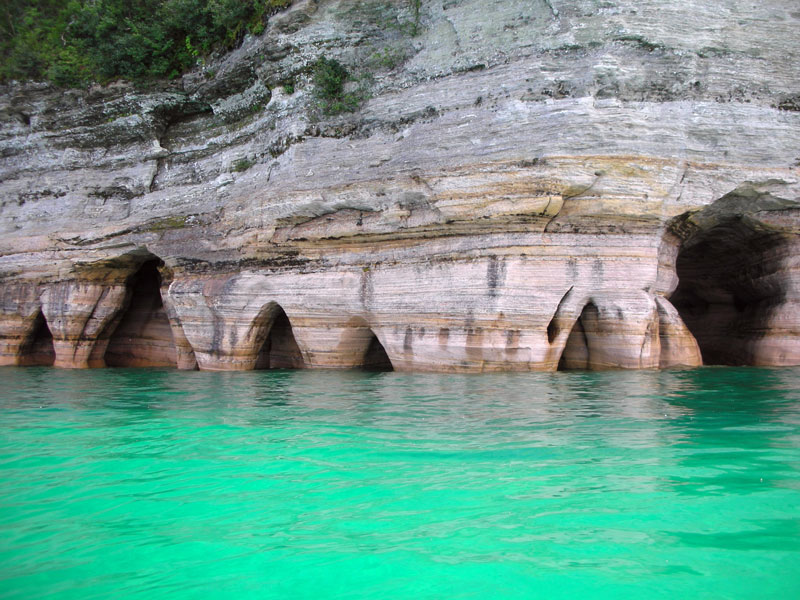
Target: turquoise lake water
[(150, 484)]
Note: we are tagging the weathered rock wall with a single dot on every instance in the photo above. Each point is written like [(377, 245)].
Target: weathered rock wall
[(530, 185)]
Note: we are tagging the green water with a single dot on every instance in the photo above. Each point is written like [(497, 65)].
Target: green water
[(304, 484)]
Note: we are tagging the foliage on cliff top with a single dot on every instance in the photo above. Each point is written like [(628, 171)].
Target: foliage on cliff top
[(80, 41)]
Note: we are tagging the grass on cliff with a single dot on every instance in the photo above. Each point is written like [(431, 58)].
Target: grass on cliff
[(81, 41)]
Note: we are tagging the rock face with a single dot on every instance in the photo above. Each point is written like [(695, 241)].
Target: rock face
[(529, 186)]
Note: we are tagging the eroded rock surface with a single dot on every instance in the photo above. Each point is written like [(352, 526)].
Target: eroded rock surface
[(530, 186)]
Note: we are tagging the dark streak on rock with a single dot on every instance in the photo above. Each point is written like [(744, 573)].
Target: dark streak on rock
[(408, 340), (495, 275)]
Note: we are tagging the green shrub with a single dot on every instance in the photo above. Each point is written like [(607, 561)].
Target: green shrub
[(78, 41), (242, 165), (329, 77)]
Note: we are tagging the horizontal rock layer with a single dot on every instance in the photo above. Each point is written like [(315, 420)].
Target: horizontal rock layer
[(530, 186)]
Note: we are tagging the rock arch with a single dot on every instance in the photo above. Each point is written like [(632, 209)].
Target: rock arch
[(578, 349), (616, 330), (729, 291), (277, 346), (38, 349), (141, 335), (737, 288), (359, 347), (376, 358)]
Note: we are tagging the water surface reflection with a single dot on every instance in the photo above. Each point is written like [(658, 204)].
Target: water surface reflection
[(361, 485)]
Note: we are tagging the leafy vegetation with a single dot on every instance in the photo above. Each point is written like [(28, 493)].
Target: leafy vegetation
[(80, 41), (415, 7), (329, 77), (242, 165)]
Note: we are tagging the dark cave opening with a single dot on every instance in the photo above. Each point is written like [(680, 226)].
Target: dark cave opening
[(375, 358), (728, 287), (38, 349), (143, 337), (577, 349), (280, 349)]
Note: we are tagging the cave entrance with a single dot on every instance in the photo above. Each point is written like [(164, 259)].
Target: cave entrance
[(375, 358), (576, 354), (727, 289), (280, 349), (143, 337), (38, 349)]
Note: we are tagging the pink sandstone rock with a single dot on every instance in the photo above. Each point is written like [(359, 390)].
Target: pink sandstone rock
[(530, 189)]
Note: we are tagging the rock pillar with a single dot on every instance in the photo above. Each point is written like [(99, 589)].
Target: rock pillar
[(79, 315), (19, 307)]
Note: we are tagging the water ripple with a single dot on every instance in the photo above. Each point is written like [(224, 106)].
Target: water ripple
[(302, 484)]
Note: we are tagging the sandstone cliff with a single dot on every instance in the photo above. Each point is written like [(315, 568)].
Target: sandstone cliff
[(528, 184)]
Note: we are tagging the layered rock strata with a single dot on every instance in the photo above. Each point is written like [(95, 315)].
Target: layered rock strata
[(529, 186)]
